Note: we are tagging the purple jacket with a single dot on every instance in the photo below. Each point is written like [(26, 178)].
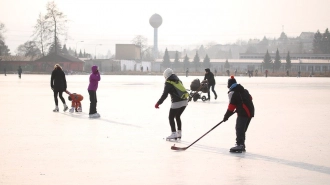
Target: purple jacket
[(94, 79)]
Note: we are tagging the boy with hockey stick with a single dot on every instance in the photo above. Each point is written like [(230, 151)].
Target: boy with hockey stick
[(241, 101), (76, 101)]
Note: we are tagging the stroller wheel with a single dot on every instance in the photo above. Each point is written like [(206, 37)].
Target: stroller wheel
[(203, 98), (195, 98)]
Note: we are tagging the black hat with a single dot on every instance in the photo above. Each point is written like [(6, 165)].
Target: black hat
[(231, 81), (207, 70)]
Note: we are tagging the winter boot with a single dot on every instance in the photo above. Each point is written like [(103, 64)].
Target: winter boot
[(56, 109), (239, 148), (215, 97), (172, 136), (71, 110), (65, 107), (179, 134)]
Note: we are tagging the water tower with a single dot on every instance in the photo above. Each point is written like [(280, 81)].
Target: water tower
[(155, 21)]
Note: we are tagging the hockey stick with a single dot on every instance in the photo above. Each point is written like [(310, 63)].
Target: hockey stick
[(185, 148)]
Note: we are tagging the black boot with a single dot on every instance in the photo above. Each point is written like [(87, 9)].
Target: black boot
[(239, 148)]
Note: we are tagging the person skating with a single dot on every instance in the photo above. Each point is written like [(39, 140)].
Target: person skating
[(76, 101), (211, 83), (19, 71), (94, 79), (240, 102), (58, 85), (179, 99)]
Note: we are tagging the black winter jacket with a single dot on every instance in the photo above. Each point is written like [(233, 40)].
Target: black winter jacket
[(57, 80), (210, 78), (170, 89), (241, 100)]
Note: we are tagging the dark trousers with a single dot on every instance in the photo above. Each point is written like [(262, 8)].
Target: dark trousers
[(19, 75), (60, 93), (93, 100), (208, 93), (175, 113), (242, 124)]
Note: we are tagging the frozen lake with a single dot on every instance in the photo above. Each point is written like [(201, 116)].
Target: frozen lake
[(287, 141)]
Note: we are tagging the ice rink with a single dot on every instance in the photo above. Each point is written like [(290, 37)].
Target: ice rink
[(287, 141)]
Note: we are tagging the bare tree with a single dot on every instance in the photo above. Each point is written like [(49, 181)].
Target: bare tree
[(40, 35), (29, 48), (55, 22), (142, 42)]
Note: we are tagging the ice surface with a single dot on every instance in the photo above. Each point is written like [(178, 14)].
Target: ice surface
[(287, 141)]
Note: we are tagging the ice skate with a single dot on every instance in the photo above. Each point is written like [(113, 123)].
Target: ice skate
[(179, 134), (172, 136), (215, 97), (65, 108), (71, 110), (79, 109), (238, 149), (95, 115), (56, 109)]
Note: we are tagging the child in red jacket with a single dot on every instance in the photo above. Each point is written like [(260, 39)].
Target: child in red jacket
[(76, 101)]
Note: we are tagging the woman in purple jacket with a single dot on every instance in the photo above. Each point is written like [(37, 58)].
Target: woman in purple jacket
[(94, 79)]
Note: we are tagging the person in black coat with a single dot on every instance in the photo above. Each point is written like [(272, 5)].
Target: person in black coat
[(58, 85), (211, 83), (179, 102), (240, 102)]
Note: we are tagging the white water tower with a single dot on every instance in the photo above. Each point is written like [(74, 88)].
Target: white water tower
[(155, 21)]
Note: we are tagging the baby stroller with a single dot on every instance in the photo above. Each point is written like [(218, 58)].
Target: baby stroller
[(197, 89)]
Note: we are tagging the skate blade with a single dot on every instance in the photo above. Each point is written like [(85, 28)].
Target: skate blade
[(172, 139), (235, 151)]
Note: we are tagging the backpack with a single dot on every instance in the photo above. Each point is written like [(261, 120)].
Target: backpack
[(180, 89)]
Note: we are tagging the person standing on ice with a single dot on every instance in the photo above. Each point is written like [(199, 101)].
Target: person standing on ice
[(211, 83), (179, 98), (94, 79), (58, 85), (240, 101), (19, 71)]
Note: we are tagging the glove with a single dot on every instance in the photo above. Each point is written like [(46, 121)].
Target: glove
[(227, 115), (157, 106)]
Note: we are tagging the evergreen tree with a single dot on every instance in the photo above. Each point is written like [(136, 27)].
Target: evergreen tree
[(4, 50), (288, 61), (80, 54), (166, 59), (267, 62), (64, 50), (196, 61), (207, 62), (277, 62), (325, 44), (186, 62), (55, 47), (317, 42), (227, 66), (176, 60)]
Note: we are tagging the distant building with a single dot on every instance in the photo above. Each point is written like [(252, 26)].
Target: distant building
[(68, 63), (128, 52), (294, 56)]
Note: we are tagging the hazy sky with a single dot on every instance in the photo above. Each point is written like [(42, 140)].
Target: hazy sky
[(185, 22)]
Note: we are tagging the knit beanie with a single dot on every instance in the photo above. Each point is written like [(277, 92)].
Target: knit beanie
[(167, 73), (231, 81), (207, 70)]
